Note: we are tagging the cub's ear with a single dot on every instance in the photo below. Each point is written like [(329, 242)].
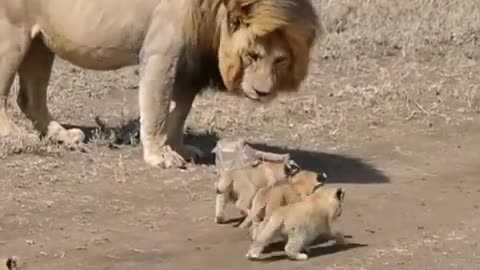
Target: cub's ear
[(322, 178), (340, 194), (256, 162), (291, 168)]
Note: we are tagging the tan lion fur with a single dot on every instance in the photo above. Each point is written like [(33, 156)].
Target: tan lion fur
[(301, 223), (256, 48), (271, 197), (240, 185)]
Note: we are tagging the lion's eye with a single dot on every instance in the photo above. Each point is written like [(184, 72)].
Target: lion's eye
[(281, 59), (253, 56)]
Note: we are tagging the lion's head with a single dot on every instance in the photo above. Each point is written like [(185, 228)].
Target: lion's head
[(265, 45)]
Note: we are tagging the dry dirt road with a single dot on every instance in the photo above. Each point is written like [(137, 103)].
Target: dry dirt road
[(398, 128)]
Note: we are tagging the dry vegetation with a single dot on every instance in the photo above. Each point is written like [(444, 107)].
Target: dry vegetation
[(403, 60)]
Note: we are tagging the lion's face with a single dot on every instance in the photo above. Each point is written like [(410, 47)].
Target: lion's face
[(261, 69), (265, 47), (265, 65)]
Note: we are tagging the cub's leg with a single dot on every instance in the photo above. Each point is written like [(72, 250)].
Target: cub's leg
[(34, 74), (297, 240), (182, 101), (266, 232), (13, 47), (221, 201), (243, 204), (257, 206)]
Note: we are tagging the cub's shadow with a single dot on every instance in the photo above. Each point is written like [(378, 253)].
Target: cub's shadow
[(317, 248), (339, 168)]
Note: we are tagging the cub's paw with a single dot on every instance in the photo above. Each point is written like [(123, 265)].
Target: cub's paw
[(300, 257), (245, 224), (219, 220), (254, 252), (252, 256), (165, 158)]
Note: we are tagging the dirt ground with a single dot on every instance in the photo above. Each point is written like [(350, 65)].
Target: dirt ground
[(390, 111)]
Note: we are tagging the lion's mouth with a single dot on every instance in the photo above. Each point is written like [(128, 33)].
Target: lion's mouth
[(258, 96)]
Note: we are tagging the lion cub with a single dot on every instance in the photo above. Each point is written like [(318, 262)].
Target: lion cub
[(301, 223), (9, 263), (241, 184), (270, 198)]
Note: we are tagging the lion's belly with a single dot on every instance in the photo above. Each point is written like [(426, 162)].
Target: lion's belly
[(96, 34)]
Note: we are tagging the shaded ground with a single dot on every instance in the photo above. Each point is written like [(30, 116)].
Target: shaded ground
[(389, 116)]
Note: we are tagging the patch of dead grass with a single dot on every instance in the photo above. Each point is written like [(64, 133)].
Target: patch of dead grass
[(378, 60)]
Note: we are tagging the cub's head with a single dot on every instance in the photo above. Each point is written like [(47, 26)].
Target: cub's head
[(288, 169), (265, 46), (332, 198)]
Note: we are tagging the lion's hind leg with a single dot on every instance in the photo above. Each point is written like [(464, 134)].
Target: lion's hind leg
[(34, 74), (13, 48)]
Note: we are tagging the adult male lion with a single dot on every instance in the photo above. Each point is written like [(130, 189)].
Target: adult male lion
[(251, 47)]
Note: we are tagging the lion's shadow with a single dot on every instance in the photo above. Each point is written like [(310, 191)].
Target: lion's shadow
[(339, 168)]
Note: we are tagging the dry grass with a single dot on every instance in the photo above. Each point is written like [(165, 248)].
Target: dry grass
[(379, 59)]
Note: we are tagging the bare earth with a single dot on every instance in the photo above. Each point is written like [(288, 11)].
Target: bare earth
[(390, 112)]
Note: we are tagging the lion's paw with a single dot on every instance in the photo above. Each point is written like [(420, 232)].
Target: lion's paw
[(165, 158)]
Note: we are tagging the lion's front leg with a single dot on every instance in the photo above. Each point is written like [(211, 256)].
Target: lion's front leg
[(180, 108), (156, 85)]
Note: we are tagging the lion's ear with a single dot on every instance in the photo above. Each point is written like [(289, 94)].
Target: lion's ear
[(238, 12), (241, 6)]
